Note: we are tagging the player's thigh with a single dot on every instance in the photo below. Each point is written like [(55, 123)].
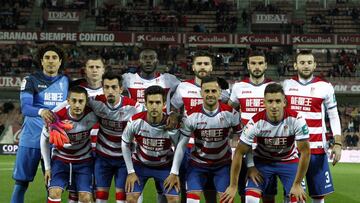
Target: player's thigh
[(287, 174), (159, 176), (26, 164), (120, 174), (222, 178), (318, 176), (103, 172), (83, 177), (196, 178), (60, 175), (267, 171)]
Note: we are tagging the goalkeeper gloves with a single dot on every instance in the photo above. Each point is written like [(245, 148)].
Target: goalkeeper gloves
[(58, 136)]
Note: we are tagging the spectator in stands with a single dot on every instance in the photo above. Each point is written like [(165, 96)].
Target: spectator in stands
[(354, 140)]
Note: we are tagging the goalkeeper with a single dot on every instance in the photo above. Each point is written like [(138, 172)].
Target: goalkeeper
[(71, 159)]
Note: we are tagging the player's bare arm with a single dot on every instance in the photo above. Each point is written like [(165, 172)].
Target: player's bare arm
[(296, 189), (240, 151)]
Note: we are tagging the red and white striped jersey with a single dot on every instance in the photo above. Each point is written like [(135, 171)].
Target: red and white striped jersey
[(153, 144), (311, 100), (136, 85), (249, 97), (112, 122), (211, 132), (187, 94), (79, 136), (92, 93), (275, 141)]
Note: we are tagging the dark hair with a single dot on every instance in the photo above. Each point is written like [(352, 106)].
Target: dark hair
[(208, 79), (78, 89), (155, 89), (54, 48), (94, 58), (303, 52), (110, 75), (202, 54), (274, 88), (148, 49), (256, 52)]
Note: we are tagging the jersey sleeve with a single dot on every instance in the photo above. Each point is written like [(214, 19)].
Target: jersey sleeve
[(233, 97), (187, 127), (300, 128), (330, 99), (235, 122), (129, 132), (126, 79), (176, 99), (249, 133), (173, 82)]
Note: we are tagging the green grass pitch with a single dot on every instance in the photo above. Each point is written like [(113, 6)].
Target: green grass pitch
[(346, 179)]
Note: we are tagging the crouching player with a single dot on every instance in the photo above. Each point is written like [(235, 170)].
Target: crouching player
[(153, 153), (73, 163), (276, 129)]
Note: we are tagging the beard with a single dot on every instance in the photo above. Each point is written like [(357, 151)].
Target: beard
[(305, 76), (256, 75), (200, 75)]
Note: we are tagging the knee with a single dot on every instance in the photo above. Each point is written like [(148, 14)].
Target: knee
[(84, 197), (132, 197), (172, 198), (55, 193), (22, 183)]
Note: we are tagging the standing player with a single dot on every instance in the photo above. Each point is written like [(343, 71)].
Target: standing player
[(210, 158), (280, 133), (136, 83), (187, 96), (153, 153), (248, 94), (113, 111), (40, 92), (312, 97), (72, 164)]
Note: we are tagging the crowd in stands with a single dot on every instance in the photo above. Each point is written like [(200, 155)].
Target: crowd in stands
[(11, 13), (347, 66), (10, 122), (350, 122)]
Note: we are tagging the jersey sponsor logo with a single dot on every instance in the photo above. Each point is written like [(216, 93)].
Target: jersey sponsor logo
[(254, 105), (53, 98), (77, 138), (301, 103), (154, 144), (246, 92), (192, 92), (117, 126), (212, 135), (195, 102), (276, 142), (138, 83), (201, 123)]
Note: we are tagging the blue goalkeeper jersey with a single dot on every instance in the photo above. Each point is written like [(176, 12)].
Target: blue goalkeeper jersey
[(39, 91)]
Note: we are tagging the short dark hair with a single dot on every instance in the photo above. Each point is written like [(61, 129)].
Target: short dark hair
[(95, 57), (155, 89), (208, 79), (274, 88), (148, 49), (256, 52), (8, 107), (51, 47), (303, 52), (110, 75), (78, 89), (202, 54)]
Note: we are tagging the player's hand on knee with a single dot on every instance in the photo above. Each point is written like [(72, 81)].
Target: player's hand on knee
[(172, 181), (229, 194), (298, 192), (255, 175), (130, 182), (47, 177)]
